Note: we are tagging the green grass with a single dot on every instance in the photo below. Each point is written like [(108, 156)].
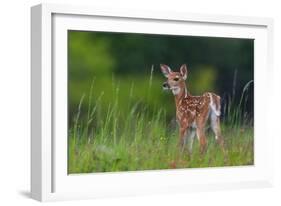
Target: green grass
[(146, 152), (106, 140)]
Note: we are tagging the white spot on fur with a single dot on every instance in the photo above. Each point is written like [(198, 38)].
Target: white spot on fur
[(193, 125)]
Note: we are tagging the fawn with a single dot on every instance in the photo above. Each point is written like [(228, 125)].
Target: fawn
[(192, 112)]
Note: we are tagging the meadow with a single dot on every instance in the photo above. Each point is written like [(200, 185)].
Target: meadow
[(109, 138)]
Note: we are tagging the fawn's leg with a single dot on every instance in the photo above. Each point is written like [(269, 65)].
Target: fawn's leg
[(182, 140), (202, 139), (190, 139), (215, 125)]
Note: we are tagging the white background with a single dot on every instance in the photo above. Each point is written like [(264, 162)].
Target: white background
[(15, 102)]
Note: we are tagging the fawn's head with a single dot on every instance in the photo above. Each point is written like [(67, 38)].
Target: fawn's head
[(175, 80)]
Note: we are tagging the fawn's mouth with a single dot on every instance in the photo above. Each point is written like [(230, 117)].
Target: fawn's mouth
[(174, 89)]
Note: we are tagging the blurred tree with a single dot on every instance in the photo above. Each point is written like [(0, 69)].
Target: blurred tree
[(122, 60)]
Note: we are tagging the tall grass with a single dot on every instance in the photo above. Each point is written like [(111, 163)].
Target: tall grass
[(106, 140), (234, 107)]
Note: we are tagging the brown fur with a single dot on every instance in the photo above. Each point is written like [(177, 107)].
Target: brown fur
[(192, 112)]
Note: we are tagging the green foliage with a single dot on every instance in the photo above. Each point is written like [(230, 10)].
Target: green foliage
[(124, 60), (143, 150), (203, 75), (88, 57), (107, 141), (121, 120)]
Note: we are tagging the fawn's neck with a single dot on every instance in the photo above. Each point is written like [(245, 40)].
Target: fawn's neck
[(183, 93)]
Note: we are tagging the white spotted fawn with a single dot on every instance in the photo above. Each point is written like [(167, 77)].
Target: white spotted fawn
[(193, 112)]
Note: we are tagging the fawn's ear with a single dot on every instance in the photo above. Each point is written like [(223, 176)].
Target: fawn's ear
[(183, 71), (165, 70)]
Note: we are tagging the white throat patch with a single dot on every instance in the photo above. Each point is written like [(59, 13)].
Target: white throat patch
[(176, 90)]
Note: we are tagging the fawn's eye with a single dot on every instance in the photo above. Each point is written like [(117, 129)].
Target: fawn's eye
[(176, 79)]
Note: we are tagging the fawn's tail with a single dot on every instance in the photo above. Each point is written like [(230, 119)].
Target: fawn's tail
[(215, 104)]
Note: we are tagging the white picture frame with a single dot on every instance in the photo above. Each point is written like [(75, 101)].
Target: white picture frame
[(49, 178)]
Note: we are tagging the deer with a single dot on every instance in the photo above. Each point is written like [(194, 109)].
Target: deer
[(193, 112)]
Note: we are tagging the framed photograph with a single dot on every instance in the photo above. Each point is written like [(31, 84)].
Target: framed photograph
[(137, 102)]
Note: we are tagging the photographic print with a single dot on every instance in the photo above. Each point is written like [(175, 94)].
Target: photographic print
[(148, 102)]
